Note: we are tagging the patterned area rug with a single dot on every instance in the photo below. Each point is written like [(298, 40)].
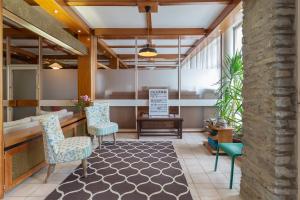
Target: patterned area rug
[(128, 171)]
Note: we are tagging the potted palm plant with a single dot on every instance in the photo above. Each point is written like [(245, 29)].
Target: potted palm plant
[(229, 103)]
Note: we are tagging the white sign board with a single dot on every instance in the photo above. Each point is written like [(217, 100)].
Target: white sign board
[(158, 102)]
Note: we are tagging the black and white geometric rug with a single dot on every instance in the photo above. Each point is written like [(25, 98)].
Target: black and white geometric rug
[(128, 171)]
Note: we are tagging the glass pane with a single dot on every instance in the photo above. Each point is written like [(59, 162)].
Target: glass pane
[(115, 84), (158, 78), (199, 83), (59, 84), (238, 38), (24, 89)]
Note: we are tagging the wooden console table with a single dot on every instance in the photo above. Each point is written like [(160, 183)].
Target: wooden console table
[(149, 126)]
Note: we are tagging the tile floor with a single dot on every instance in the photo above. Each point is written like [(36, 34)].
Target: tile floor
[(197, 163)]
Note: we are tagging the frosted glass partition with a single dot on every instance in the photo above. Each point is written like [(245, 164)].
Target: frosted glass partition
[(158, 78), (199, 83), (59, 84), (24, 90), (115, 84)]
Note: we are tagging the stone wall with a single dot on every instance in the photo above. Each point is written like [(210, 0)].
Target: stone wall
[(269, 167)]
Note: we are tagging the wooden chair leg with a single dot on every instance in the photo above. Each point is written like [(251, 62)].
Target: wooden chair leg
[(92, 138), (114, 135), (84, 167), (51, 168), (217, 159), (99, 141)]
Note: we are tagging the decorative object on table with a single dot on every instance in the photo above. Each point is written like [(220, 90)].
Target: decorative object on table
[(128, 170), (234, 150), (230, 100), (217, 135), (98, 122), (59, 149), (83, 101)]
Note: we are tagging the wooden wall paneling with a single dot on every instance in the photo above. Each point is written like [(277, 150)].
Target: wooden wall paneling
[(38, 74), (87, 66), (1, 108), (9, 113), (9, 181)]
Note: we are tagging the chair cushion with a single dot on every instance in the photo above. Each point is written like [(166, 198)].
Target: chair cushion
[(74, 148), (232, 149), (103, 129)]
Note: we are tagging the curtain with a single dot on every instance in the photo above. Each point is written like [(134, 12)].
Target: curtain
[(208, 57)]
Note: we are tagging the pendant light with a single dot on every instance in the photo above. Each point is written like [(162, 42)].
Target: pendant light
[(55, 66), (148, 51)]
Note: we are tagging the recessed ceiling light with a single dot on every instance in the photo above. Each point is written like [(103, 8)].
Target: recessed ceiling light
[(55, 11), (79, 31)]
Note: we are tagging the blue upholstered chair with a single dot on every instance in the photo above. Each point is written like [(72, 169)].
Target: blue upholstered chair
[(59, 149), (99, 123)]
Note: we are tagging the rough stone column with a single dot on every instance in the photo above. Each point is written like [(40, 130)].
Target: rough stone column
[(269, 166)]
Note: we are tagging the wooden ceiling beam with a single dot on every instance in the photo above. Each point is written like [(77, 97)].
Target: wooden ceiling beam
[(56, 47), (160, 37), (60, 57), (102, 66), (23, 52), (142, 6), (141, 46), (109, 53), (159, 56), (20, 33), (135, 2), (227, 10), (142, 32), (64, 14)]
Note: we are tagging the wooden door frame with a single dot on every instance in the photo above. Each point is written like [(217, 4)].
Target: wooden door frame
[(298, 92), (1, 106)]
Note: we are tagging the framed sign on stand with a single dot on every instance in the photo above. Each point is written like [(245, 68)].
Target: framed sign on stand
[(158, 103)]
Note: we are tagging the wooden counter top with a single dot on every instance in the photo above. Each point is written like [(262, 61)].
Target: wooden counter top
[(220, 128), (23, 135)]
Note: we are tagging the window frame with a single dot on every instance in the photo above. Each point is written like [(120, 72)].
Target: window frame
[(235, 28)]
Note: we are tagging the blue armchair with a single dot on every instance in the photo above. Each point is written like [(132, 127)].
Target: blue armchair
[(59, 149), (99, 123)]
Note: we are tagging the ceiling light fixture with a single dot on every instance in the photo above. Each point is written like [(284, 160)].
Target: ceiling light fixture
[(55, 66), (148, 51), (55, 11)]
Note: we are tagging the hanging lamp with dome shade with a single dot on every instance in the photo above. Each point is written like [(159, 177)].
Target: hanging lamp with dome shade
[(55, 66), (148, 51)]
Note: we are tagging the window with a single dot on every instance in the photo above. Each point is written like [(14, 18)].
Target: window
[(237, 38), (201, 73)]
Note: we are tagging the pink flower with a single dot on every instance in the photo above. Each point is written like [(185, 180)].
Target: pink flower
[(85, 98)]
